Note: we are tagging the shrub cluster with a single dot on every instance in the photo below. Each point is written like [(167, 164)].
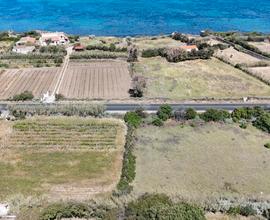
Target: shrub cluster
[(138, 86), (53, 49), (246, 113), (242, 210), (177, 54), (215, 115), (165, 112), (83, 110), (160, 206), (14, 56), (97, 54), (129, 163), (104, 47), (24, 96), (70, 210), (133, 119), (154, 52)]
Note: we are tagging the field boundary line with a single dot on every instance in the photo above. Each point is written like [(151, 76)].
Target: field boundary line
[(63, 71)]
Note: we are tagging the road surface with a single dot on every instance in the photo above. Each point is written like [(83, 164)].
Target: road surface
[(111, 108)]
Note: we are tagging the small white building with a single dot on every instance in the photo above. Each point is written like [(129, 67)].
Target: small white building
[(54, 38), (26, 41), (23, 49)]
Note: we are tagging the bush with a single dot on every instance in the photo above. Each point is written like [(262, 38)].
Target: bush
[(215, 115), (97, 54), (160, 206), (132, 119), (246, 113), (267, 145), (138, 87), (157, 122), (263, 122), (141, 112), (132, 54), (153, 52), (129, 164), (165, 112), (83, 110), (243, 125), (69, 210), (190, 113), (24, 96), (59, 97), (242, 210)]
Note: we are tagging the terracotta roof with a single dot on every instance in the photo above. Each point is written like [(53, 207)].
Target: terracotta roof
[(189, 47)]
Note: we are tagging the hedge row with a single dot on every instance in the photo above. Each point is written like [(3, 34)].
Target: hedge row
[(97, 54)]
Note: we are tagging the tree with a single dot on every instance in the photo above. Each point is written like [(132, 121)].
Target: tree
[(132, 54), (190, 114), (132, 119), (138, 86), (165, 112)]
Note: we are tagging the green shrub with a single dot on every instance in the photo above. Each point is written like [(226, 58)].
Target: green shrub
[(153, 52), (246, 113), (24, 96), (267, 145), (242, 210), (157, 122), (69, 210), (160, 206), (59, 97), (132, 119), (263, 122), (215, 115), (190, 113), (165, 112), (129, 164), (243, 125)]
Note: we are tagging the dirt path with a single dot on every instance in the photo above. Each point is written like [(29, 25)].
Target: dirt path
[(63, 71)]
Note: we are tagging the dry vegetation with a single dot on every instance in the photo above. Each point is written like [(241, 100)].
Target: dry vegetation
[(203, 161), (36, 80), (197, 79), (262, 46), (63, 158), (261, 72), (236, 57), (96, 80), (156, 42)]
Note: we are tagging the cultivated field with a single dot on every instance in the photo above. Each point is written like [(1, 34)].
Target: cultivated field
[(197, 79), (262, 72), (262, 46), (203, 161), (36, 80), (96, 80), (235, 57), (61, 157)]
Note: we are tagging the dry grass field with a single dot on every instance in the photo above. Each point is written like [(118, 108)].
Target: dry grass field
[(36, 80), (236, 57), (156, 42), (60, 157), (262, 46), (262, 72), (197, 79), (96, 80), (203, 161)]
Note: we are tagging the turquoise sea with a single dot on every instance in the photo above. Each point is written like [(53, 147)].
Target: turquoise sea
[(134, 17)]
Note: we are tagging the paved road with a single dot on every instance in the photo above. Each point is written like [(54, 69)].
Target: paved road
[(198, 107), (154, 107)]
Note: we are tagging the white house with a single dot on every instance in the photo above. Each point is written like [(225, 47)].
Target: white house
[(54, 38), (23, 49)]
